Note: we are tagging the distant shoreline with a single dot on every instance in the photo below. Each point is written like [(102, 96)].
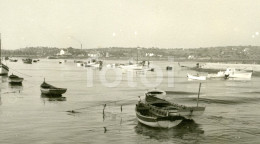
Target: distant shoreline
[(229, 61)]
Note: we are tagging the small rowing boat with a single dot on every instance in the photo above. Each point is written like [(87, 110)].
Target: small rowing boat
[(51, 90), (27, 61), (14, 79), (3, 68), (154, 118), (13, 60)]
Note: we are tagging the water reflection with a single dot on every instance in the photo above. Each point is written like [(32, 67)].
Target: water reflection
[(52, 99), (187, 129), (3, 78), (16, 86)]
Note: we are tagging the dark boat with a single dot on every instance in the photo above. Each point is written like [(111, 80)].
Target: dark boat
[(27, 61), (50, 90), (3, 68), (14, 79), (157, 118)]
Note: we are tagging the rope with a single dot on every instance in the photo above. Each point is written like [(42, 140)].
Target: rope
[(100, 104), (19, 72)]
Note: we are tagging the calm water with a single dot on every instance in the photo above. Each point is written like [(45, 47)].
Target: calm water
[(232, 107)]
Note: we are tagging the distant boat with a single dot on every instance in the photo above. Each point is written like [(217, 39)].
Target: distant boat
[(149, 116), (233, 73), (94, 63), (35, 61), (196, 77), (13, 60), (3, 68), (168, 68), (14, 79), (220, 74), (48, 89), (27, 61), (80, 63)]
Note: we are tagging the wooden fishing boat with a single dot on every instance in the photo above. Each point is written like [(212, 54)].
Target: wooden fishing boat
[(196, 77), (149, 116), (14, 79), (48, 89), (173, 109), (3, 68), (27, 61)]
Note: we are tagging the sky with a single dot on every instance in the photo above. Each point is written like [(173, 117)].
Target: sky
[(129, 23)]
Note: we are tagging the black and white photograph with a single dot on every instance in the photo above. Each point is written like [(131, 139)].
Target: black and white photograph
[(129, 72)]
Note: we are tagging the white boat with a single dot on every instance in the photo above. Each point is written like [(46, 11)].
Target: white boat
[(233, 73), (132, 67), (3, 68), (80, 64), (220, 74), (156, 92), (94, 63), (196, 77)]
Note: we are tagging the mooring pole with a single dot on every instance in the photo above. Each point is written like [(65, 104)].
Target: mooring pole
[(198, 96)]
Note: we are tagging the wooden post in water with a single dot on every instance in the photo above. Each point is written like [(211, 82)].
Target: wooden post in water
[(198, 96)]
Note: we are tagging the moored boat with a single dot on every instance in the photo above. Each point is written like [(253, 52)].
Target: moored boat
[(196, 77), (156, 92), (3, 68), (233, 73), (51, 90), (174, 109), (155, 118), (220, 74), (13, 60), (27, 61), (14, 79), (94, 63)]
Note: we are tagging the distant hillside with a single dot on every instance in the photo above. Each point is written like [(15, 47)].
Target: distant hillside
[(228, 53)]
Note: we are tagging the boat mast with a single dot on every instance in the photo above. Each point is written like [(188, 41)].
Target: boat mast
[(198, 96)]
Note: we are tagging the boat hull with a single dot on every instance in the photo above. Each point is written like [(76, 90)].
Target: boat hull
[(80, 64), (196, 77), (240, 75), (15, 80), (56, 92), (4, 70), (154, 122)]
